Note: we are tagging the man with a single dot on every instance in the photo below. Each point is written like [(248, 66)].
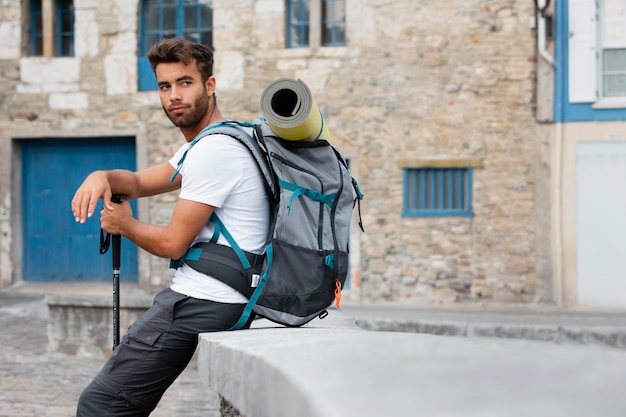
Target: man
[(218, 176)]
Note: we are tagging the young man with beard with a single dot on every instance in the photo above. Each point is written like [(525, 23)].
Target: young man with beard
[(218, 176)]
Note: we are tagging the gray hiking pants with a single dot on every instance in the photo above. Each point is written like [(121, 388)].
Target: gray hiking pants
[(157, 348)]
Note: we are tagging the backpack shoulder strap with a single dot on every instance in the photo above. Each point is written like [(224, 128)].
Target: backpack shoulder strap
[(235, 129)]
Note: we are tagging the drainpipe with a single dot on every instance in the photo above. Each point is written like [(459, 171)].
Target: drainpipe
[(541, 39)]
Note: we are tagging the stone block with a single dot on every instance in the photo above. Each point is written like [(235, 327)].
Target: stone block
[(82, 325), (39, 70), (68, 101)]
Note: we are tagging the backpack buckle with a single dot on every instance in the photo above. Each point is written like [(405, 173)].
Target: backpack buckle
[(256, 278)]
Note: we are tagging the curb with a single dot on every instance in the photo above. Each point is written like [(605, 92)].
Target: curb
[(613, 337)]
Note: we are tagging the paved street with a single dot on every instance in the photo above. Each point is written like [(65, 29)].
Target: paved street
[(36, 384)]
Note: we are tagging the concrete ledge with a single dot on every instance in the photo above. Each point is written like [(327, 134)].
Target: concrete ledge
[(340, 371), (82, 324)]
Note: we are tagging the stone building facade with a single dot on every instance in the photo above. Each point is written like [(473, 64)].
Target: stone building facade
[(428, 83)]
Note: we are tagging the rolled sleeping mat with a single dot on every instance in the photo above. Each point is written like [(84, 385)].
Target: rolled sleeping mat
[(290, 109)]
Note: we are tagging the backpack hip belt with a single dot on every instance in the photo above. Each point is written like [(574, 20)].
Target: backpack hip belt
[(222, 263)]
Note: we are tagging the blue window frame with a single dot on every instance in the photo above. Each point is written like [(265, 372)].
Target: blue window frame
[(333, 23), (36, 28), (63, 30), (161, 19), (298, 20), (570, 105), (430, 192)]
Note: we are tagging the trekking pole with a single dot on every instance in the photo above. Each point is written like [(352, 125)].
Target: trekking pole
[(116, 240), (116, 252)]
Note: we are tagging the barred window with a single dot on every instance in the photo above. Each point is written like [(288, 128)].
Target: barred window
[(437, 192)]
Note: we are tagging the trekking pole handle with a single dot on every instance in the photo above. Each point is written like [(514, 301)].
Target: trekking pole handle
[(116, 239)]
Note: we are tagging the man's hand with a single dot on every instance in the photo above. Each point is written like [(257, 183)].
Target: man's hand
[(85, 200), (130, 185), (113, 220)]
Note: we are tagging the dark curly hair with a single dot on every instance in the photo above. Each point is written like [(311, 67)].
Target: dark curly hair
[(182, 50)]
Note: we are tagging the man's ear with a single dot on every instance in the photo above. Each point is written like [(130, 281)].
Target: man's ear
[(210, 85)]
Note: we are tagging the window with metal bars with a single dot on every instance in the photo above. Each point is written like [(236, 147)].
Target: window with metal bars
[(62, 37), (161, 19), (437, 192)]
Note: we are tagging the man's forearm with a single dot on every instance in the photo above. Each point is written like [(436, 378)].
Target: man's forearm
[(153, 239), (123, 182), (171, 241)]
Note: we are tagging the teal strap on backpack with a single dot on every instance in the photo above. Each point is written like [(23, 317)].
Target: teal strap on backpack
[(245, 315), (357, 189), (329, 260), (327, 199), (201, 135), (221, 229), (193, 254)]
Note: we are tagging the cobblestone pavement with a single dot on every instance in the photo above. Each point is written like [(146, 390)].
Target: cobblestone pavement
[(34, 383)]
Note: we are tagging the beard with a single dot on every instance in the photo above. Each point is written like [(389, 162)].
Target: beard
[(197, 112)]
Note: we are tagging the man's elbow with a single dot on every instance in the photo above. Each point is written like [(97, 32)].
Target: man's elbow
[(174, 250), (178, 253)]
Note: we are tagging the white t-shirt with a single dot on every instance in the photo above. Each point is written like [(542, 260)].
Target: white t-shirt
[(221, 172)]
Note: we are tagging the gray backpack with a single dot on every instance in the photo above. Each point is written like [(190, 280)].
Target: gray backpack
[(312, 198)]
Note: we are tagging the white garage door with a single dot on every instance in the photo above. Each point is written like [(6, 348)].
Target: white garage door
[(601, 223)]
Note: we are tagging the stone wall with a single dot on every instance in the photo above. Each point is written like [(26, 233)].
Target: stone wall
[(442, 80)]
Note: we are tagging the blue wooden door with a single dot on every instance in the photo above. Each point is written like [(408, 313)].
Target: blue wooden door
[(55, 247)]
